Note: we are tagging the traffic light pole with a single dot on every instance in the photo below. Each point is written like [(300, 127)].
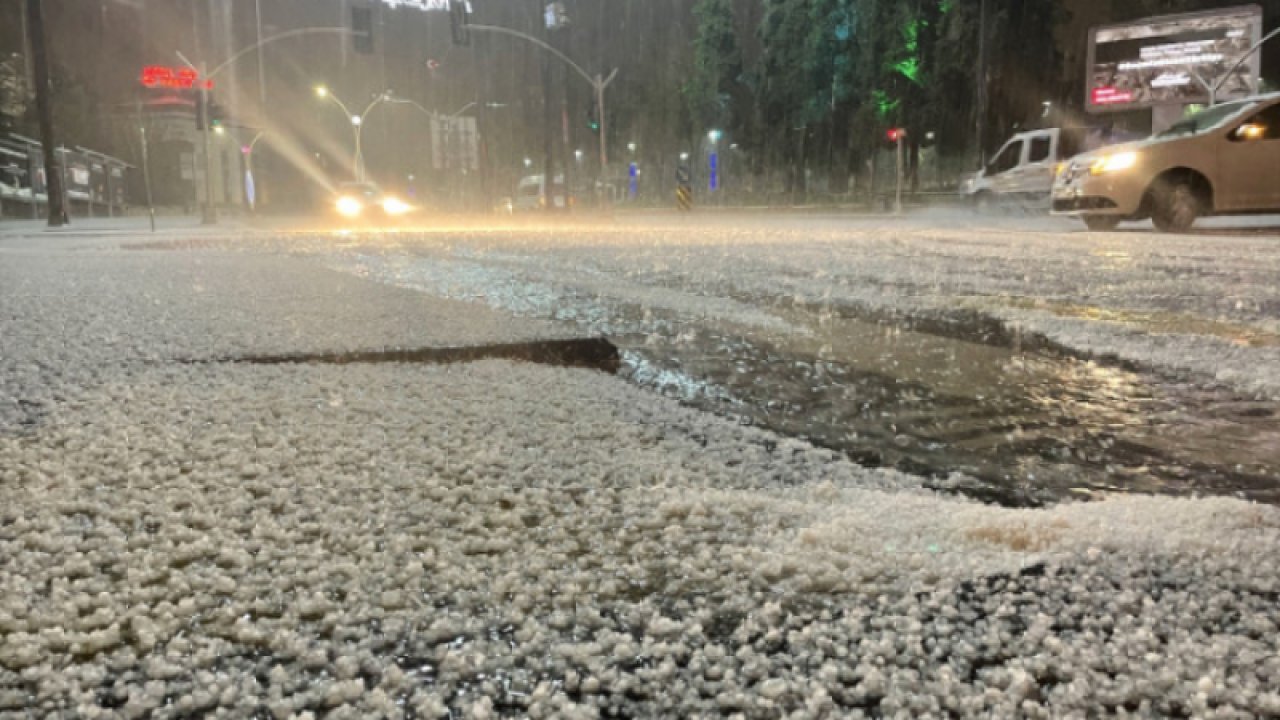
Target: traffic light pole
[(897, 196), (597, 82), (600, 84), (209, 214)]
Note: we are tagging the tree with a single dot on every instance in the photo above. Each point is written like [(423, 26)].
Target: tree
[(717, 67)]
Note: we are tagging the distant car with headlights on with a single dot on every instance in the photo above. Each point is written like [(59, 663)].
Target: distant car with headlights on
[(1221, 161), (357, 201)]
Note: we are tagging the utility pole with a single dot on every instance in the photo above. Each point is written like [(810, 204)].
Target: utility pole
[(54, 187), (982, 83), (146, 167)]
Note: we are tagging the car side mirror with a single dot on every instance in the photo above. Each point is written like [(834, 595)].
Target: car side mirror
[(1249, 132)]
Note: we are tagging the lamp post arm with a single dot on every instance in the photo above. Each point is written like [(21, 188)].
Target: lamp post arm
[(1247, 54), (516, 33)]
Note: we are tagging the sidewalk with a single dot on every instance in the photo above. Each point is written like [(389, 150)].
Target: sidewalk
[(475, 540)]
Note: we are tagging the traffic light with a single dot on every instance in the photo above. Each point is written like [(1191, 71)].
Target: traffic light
[(201, 111), (216, 117), (459, 19), (211, 114), (362, 30), (593, 120), (895, 134)]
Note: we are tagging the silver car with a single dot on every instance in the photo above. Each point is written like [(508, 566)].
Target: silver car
[(1221, 161)]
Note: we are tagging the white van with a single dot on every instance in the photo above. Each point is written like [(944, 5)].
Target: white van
[(1022, 172), (529, 193)]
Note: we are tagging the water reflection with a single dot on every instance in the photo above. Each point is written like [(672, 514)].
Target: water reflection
[(1026, 423)]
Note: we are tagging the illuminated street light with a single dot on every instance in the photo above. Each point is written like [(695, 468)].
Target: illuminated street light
[(578, 154), (322, 91), (631, 147), (219, 130), (714, 136), (684, 156), (355, 120), (528, 162)]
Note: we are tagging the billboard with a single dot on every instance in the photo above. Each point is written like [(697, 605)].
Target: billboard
[(1156, 61)]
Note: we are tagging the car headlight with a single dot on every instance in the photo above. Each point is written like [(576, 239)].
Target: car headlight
[(395, 206), (349, 206), (1113, 163)]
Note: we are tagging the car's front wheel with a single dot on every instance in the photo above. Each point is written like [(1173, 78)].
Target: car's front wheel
[(1175, 206), (1101, 223)]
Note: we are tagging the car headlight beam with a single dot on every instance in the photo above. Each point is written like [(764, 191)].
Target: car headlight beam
[(1118, 162), (395, 206), (349, 206)]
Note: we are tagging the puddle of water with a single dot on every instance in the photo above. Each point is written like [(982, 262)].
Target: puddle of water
[(1166, 323), (1029, 424)]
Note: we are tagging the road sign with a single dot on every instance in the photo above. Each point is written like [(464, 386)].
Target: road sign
[(455, 143), (713, 180)]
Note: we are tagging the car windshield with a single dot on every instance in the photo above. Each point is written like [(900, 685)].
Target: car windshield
[(639, 360), (1207, 119)]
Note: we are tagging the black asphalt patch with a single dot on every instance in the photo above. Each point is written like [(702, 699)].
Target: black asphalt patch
[(591, 353)]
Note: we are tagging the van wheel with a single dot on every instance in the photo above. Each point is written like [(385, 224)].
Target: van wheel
[(1175, 206), (983, 204), (1101, 223)]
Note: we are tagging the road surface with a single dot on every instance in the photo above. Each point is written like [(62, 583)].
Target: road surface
[(191, 528)]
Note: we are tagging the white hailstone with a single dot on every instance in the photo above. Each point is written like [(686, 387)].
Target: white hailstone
[(773, 688), (482, 709), (342, 692), (346, 667), (280, 709), (315, 659), (663, 627), (19, 651), (429, 705), (1021, 685), (393, 678)]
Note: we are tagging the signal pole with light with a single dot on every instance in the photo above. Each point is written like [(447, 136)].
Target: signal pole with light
[(897, 136)]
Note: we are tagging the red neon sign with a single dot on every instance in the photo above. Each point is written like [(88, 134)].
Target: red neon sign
[(1111, 96), (161, 76)]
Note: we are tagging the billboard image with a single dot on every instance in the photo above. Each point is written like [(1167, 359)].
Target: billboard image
[(1157, 61)]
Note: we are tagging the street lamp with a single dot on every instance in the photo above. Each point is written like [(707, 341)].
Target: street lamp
[(358, 122), (684, 156), (324, 93), (714, 136), (631, 147), (210, 211)]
